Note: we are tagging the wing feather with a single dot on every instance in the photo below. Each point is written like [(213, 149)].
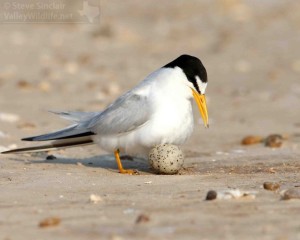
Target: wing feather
[(126, 114), (57, 144)]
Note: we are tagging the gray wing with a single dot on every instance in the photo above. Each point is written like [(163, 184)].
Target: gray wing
[(127, 113), (76, 117)]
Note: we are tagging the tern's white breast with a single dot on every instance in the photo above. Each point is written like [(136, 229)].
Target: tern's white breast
[(171, 123), (170, 116)]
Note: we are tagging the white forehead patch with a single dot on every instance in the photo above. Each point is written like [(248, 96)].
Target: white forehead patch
[(202, 85)]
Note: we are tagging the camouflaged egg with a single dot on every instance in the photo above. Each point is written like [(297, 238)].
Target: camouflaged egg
[(166, 159)]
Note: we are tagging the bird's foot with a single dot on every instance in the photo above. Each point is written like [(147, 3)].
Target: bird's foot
[(121, 169), (129, 171)]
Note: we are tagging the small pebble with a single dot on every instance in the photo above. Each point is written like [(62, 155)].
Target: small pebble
[(230, 194), (50, 222), (142, 218), (291, 193), (211, 195), (273, 141), (249, 140), (23, 84), (95, 198), (272, 186), (51, 157)]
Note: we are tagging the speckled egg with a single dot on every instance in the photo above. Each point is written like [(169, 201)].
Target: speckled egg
[(166, 159)]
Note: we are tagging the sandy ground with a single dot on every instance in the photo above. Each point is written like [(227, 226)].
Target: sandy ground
[(251, 52)]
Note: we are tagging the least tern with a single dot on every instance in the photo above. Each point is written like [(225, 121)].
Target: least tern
[(157, 111)]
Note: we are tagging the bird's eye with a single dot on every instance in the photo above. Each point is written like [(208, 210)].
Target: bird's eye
[(201, 85)]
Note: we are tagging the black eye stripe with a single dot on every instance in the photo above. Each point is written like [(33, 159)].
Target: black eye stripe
[(196, 85)]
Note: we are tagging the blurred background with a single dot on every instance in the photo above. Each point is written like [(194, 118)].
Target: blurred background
[(98, 50), (250, 49)]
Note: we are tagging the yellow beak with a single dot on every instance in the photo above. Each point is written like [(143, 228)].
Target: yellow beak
[(201, 103)]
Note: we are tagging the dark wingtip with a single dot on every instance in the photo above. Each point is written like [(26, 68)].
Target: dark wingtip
[(28, 139), (47, 138), (8, 151)]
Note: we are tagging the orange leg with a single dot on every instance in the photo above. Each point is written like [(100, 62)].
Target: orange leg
[(121, 169)]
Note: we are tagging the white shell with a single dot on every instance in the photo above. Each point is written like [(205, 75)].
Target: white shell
[(166, 158)]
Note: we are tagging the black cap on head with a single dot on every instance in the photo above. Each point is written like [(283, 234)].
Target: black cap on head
[(192, 67)]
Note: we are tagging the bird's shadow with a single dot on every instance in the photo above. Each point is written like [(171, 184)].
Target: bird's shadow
[(102, 161)]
